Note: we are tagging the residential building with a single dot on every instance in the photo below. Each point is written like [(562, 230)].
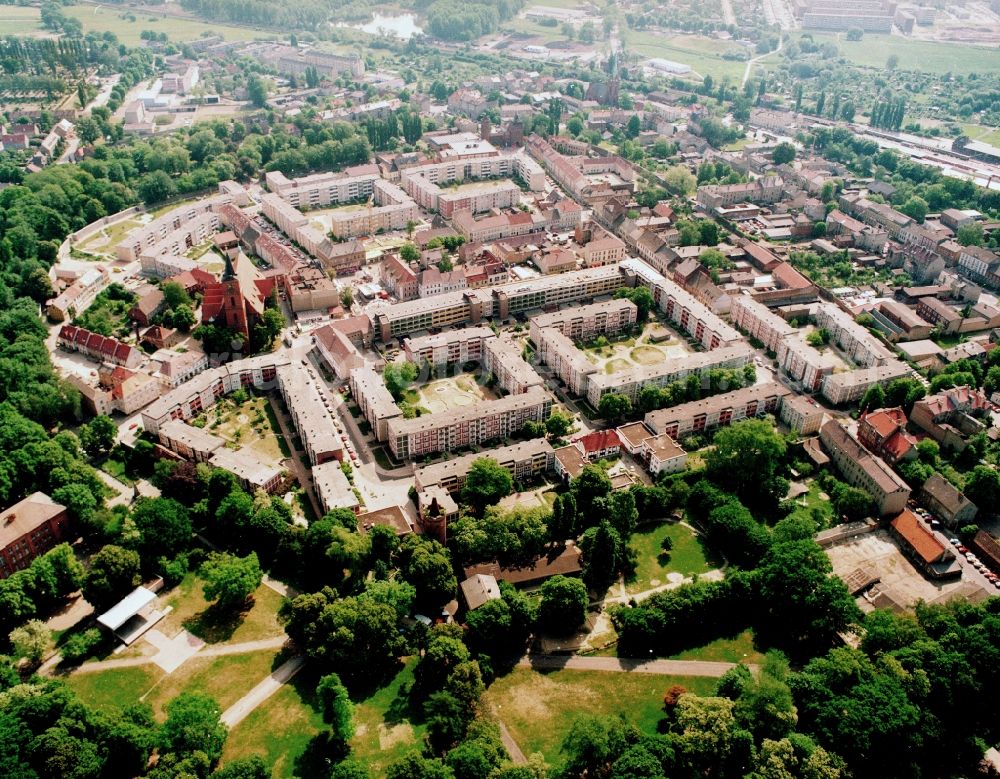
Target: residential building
[(759, 322), (767, 189), (939, 314), (98, 347), (201, 392), (398, 278), (864, 470), (850, 387), (952, 415), (78, 296), (308, 406), (30, 528), (337, 350), (664, 455), (945, 500), (584, 323), (721, 410), (437, 282), (374, 399), (801, 414), (564, 360), (900, 323), (599, 444), (503, 360), (883, 432), (631, 381), (479, 590), (980, 264), (250, 471), (467, 426), (525, 461), (194, 444), (333, 490), (923, 547), (452, 347), (861, 346)]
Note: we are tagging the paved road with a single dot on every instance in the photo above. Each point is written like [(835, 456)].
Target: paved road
[(750, 63), (623, 664), (208, 651), (236, 713)]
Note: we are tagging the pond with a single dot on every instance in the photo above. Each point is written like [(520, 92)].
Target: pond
[(403, 26)]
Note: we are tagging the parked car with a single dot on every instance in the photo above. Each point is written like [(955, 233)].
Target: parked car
[(954, 542)]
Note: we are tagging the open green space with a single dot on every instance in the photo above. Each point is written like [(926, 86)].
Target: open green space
[(813, 504), (279, 730), (688, 557), (247, 425), (19, 20), (385, 727), (703, 54), (540, 708), (977, 132), (193, 612), (226, 679), (115, 688), (872, 51), (736, 649), (114, 19)]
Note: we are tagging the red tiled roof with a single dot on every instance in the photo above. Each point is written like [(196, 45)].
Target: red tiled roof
[(918, 536), (599, 440), (788, 277)]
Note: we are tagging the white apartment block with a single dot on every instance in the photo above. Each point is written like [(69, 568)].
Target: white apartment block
[(524, 461), (322, 189), (805, 363), (309, 412), (79, 295), (584, 323), (503, 359), (631, 381), (392, 211), (849, 387), (562, 357), (860, 345), (472, 306), (333, 490), (201, 392), (374, 399), (174, 224), (423, 182), (758, 321), (467, 426), (717, 411), (193, 232), (163, 266), (453, 347)]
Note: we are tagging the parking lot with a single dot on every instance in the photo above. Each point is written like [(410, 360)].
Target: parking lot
[(899, 578)]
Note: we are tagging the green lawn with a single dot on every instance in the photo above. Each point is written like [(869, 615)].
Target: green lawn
[(385, 727), (104, 18), (193, 612), (703, 54), (539, 708), (279, 730), (812, 501), (977, 132), (19, 20), (927, 56), (688, 557), (226, 679), (739, 649), (114, 689)]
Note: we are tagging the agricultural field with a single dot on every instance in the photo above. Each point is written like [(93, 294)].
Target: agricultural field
[(114, 19), (928, 56), (539, 708), (20, 20), (704, 55)]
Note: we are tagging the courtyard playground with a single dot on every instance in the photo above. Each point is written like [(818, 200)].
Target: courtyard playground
[(449, 393), (656, 344)]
